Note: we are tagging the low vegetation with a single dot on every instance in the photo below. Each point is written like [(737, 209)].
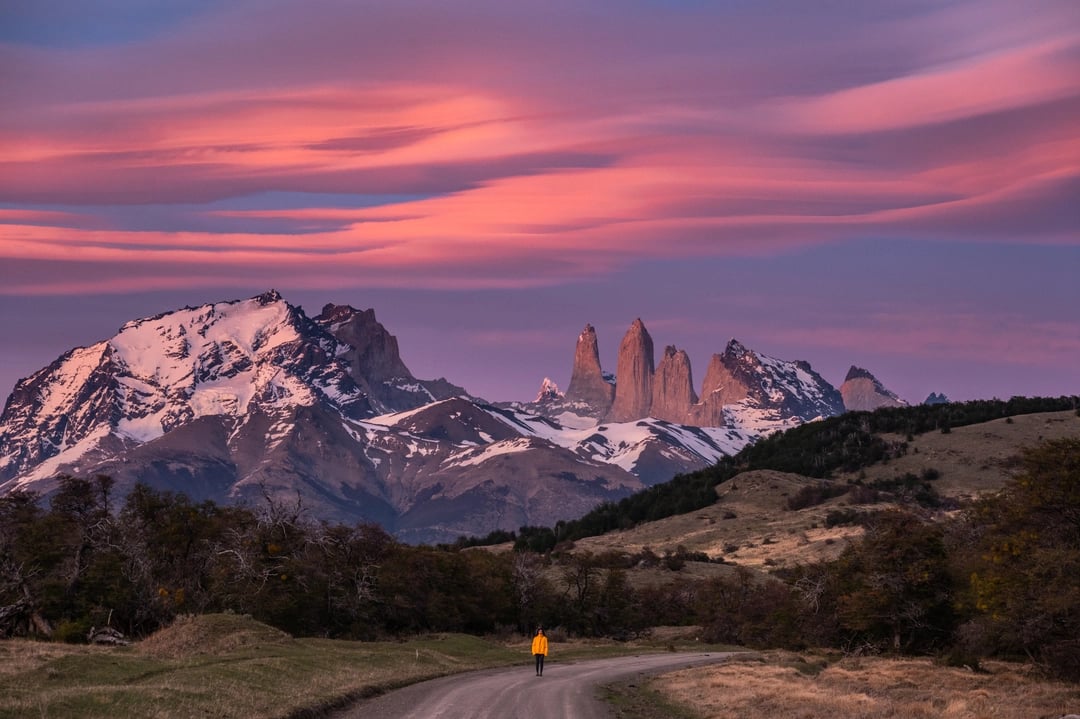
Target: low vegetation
[(224, 666)]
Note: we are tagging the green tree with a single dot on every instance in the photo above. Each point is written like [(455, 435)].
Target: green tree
[(893, 589), (83, 582), (168, 544), (25, 550), (350, 558), (1024, 587)]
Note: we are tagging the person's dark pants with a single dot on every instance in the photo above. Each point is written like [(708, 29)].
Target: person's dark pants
[(539, 664)]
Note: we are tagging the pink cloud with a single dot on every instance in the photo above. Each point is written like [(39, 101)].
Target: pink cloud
[(997, 81), (521, 140)]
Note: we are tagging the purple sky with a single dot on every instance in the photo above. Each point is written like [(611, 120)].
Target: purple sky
[(892, 185)]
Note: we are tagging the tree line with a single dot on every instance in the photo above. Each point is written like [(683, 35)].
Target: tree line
[(1000, 578)]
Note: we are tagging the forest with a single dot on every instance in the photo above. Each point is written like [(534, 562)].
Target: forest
[(999, 577)]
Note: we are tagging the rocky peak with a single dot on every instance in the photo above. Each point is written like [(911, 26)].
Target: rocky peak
[(858, 373), (673, 386), (736, 352), (373, 357), (268, 298), (375, 363), (862, 392), (634, 375), (549, 391), (740, 375), (720, 386), (936, 398), (587, 381)]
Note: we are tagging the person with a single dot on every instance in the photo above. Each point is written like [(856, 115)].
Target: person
[(539, 650)]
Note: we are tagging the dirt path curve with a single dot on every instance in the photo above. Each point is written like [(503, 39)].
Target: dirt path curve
[(567, 690)]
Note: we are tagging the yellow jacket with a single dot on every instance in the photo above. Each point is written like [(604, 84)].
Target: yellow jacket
[(539, 645)]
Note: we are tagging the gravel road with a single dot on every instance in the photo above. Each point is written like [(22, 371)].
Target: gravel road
[(566, 691)]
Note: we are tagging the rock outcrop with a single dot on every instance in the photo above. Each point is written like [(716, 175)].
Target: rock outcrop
[(374, 356), (634, 376), (375, 363), (548, 392), (673, 387), (862, 392), (719, 387), (587, 382), (738, 379), (742, 376)]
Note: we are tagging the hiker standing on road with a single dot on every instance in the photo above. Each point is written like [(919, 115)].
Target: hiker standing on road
[(539, 650)]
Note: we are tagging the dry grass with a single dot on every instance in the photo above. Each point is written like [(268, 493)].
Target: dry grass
[(750, 525), (978, 458), (790, 686)]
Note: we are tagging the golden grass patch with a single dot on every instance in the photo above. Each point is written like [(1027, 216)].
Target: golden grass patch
[(867, 688)]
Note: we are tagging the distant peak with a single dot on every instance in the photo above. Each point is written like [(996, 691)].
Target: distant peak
[(548, 391), (269, 297), (332, 313), (736, 348), (858, 373)]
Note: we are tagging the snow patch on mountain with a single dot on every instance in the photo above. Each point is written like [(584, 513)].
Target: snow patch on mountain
[(473, 457), (67, 457)]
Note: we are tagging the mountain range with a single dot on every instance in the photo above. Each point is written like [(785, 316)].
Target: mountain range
[(253, 401)]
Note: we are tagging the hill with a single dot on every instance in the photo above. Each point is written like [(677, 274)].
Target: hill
[(751, 524)]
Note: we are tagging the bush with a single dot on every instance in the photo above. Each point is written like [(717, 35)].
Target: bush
[(72, 632), (842, 517), (1024, 562), (812, 495)]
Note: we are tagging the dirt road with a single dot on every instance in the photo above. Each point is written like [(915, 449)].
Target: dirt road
[(566, 691)]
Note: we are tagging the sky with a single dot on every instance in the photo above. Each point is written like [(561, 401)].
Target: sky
[(893, 185)]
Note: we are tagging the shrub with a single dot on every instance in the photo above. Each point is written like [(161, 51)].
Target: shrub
[(842, 517), (812, 495)]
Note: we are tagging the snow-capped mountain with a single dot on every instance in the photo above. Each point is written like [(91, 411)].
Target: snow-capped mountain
[(769, 388), (252, 399)]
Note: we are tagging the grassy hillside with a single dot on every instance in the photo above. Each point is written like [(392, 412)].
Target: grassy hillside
[(750, 524)]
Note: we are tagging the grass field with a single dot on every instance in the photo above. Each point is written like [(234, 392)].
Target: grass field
[(224, 666), (231, 666)]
